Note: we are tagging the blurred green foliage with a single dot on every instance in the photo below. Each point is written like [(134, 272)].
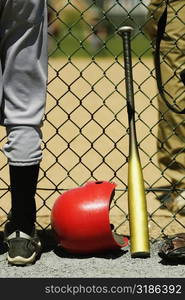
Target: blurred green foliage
[(75, 39)]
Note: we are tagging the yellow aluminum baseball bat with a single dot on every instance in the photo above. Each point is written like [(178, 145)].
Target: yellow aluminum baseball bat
[(137, 206)]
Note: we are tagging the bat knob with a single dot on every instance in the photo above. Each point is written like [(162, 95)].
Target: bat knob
[(124, 29)]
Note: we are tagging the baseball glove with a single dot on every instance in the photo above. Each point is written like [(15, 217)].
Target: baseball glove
[(173, 248)]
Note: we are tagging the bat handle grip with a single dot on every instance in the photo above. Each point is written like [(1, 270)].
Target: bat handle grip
[(125, 33)]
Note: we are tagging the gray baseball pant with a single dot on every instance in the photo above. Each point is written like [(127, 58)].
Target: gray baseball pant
[(23, 78)]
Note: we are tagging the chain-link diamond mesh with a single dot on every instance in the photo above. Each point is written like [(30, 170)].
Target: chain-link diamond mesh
[(85, 132)]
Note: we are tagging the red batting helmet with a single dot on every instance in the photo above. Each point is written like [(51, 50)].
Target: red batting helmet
[(80, 219)]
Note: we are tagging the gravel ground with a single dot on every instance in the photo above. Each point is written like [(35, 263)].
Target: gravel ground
[(57, 274), (54, 263)]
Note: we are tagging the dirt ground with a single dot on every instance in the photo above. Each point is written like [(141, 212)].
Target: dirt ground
[(86, 120)]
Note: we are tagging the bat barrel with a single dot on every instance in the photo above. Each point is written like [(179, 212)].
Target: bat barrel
[(138, 218)]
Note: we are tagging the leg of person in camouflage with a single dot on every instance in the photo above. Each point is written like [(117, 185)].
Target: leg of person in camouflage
[(171, 130), (171, 137)]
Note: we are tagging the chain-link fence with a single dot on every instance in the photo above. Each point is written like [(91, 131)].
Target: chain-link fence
[(85, 132)]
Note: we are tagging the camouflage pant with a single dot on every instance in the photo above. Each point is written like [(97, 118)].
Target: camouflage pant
[(171, 129)]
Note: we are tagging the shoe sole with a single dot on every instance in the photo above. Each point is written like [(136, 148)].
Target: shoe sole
[(21, 261)]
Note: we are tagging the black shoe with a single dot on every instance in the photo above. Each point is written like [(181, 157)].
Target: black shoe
[(173, 248), (23, 249)]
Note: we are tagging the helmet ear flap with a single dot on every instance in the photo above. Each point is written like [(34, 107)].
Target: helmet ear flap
[(80, 219)]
